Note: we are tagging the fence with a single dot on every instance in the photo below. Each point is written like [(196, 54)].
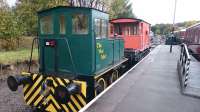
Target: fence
[(184, 65)]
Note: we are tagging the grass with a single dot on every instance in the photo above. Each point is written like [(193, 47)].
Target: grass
[(11, 57)]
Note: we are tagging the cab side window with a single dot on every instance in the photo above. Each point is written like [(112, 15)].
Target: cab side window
[(104, 28), (98, 28), (46, 25), (62, 24), (80, 24), (101, 28)]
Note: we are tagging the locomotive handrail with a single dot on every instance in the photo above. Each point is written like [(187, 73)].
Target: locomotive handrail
[(183, 65), (70, 54), (30, 61), (69, 49)]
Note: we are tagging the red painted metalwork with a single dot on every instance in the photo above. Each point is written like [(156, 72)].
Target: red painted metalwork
[(135, 32), (191, 36)]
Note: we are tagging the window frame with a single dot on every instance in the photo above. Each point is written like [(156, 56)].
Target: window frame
[(101, 27), (95, 28), (65, 24), (88, 24), (52, 24), (105, 28)]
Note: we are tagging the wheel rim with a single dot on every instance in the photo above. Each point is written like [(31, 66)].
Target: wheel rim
[(114, 76), (101, 85)]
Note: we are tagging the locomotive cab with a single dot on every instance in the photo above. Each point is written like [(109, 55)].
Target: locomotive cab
[(75, 42)]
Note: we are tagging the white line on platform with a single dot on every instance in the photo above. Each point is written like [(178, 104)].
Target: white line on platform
[(101, 94)]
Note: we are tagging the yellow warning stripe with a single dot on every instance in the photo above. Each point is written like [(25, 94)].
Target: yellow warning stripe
[(51, 108), (38, 100), (50, 97), (72, 107), (81, 99), (84, 88), (65, 107), (34, 76), (61, 83), (26, 87), (34, 85), (54, 82), (75, 102), (34, 95), (66, 80)]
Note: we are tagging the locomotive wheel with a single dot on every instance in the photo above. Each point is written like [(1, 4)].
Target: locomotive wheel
[(114, 76), (101, 85)]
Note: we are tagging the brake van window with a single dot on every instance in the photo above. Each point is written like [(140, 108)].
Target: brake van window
[(79, 24), (46, 25)]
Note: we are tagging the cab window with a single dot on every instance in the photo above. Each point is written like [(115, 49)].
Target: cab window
[(98, 28), (118, 29), (62, 24), (101, 28), (46, 25), (104, 28), (79, 24)]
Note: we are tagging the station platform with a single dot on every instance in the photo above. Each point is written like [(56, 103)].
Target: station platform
[(152, 86)]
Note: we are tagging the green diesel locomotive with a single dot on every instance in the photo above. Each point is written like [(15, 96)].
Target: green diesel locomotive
[(77, 60)]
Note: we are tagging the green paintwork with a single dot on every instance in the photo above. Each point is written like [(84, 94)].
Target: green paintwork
[(87, 58)]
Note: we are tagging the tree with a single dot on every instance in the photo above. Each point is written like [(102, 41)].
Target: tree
[(26, 11), (9, 26), (121, 9), (163, 29)]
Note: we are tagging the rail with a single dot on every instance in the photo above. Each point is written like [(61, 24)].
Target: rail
[(184, 65)]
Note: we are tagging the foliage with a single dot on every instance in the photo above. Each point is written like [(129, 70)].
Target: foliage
[(121, 9), (186, 24), (27, 10), (21, 19), (10, 28), (163, 29)]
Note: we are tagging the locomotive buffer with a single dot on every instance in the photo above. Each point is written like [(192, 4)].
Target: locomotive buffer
[(152, 86)]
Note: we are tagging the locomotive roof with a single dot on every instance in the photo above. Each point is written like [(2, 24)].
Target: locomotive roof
[(68, 7), (136, 20)]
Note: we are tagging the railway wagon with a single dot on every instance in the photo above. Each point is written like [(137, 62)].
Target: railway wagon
[(192, 34), (192, 39), (77, 60), (136, 35)]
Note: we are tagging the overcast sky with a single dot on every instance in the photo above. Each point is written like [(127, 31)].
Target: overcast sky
[(161, 11)]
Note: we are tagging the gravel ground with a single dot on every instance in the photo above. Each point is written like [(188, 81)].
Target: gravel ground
[(12, 101)]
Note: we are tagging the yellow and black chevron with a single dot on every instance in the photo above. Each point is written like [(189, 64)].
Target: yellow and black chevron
[(34, 97)]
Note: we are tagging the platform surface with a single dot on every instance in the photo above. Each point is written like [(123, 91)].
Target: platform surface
[(153, 86), (193, 88)]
